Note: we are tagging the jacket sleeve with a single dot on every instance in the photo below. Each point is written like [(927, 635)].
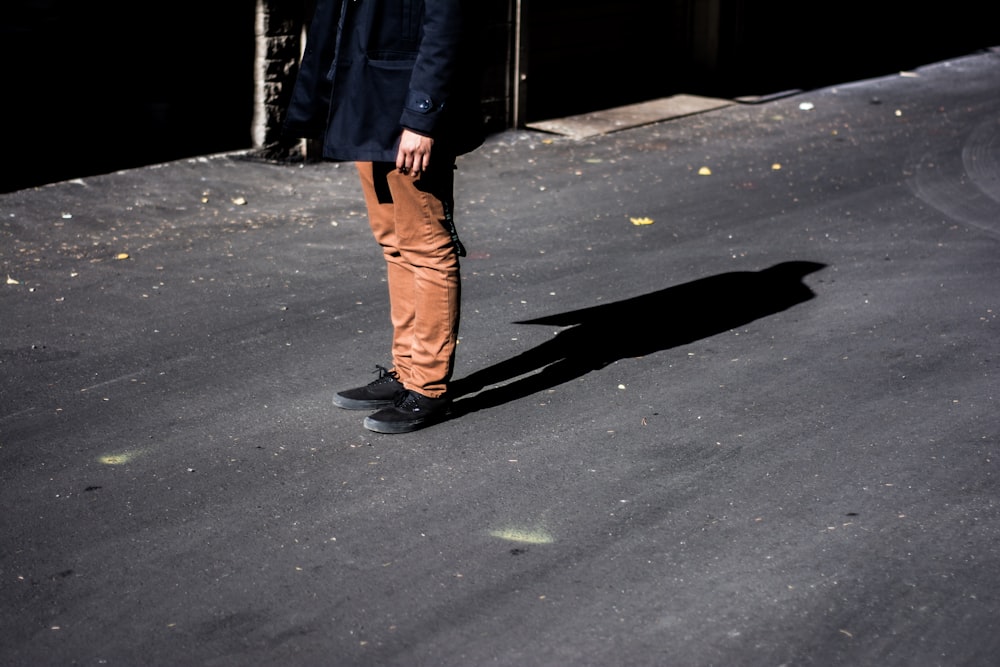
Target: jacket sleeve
[(436, 70), (310, 100)]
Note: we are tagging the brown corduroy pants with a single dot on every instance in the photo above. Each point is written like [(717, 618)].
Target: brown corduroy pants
[(410, 216)]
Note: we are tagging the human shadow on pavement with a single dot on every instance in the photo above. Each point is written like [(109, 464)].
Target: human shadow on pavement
[(635, 327)]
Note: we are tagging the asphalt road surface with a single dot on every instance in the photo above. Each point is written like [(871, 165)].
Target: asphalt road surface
[(726, 395)]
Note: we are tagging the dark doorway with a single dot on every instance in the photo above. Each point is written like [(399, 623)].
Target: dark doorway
[(585, 55), (92, 87)]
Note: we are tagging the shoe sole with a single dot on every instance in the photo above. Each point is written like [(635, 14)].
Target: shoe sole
[(360, 404), (394, 428)]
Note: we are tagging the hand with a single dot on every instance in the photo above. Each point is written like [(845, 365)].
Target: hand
[(414, 152)]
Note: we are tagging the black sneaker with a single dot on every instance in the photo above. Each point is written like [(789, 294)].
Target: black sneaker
[(379, 393), (410, 412)]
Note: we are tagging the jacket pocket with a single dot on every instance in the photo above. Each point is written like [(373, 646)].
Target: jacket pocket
[(386, 81), (369, 98)]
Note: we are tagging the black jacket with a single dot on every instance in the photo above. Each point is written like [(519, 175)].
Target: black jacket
[(374, 67)]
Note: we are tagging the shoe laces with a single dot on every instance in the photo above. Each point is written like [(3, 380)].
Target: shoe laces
[(407, 400), (384, 375)]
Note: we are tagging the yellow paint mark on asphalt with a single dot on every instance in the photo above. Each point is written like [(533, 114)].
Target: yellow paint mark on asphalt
[(118, 459), (523, 535)]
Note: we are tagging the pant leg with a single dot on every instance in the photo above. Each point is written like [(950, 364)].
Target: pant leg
[(382, 219), (410, 218)]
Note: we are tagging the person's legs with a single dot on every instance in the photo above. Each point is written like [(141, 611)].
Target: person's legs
[(427, 282), (410, 217)]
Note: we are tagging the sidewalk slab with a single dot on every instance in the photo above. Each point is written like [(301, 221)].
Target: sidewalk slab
[(629, 116)]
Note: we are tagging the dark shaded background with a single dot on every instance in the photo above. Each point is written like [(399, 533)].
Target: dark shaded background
[(92, 87), (107, 85)]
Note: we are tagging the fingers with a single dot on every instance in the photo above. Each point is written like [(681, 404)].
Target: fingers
[(412, 160), (414, 152)]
